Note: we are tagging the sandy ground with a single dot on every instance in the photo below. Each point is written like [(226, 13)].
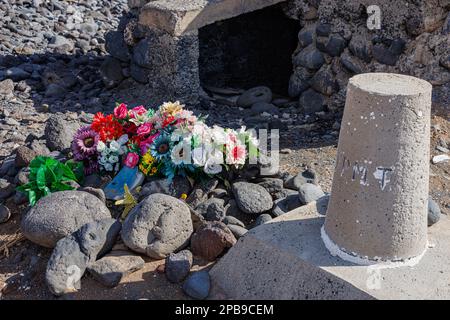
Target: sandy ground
[(22, 271)]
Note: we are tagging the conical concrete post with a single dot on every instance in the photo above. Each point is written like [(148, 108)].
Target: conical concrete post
[(378, 206)]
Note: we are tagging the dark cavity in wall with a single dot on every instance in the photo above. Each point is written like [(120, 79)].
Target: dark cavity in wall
[(250, 50)]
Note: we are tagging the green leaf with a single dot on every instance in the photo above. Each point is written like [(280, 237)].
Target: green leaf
[(68, 173), (40, 178), (32, 197), (47, 175), (77, 168)]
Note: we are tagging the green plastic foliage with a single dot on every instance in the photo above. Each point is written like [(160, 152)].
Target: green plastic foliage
[(49, 175)]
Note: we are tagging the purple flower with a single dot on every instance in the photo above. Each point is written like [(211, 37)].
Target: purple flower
[(84, 144), (90, 166)]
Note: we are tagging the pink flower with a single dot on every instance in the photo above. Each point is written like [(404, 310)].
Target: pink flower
[(132, 159), (145, 144), (121, 111), (139, 110), (144, 129), (232, 138), (236, 154)]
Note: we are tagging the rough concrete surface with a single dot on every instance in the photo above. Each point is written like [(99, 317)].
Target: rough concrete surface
[(179, 16), (378, 207), (286, 259)]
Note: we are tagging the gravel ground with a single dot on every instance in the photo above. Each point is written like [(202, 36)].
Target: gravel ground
[(54, 53)]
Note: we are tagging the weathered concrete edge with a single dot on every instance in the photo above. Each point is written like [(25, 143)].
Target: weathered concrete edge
[(162, 15), (316, 208), (260, 266)]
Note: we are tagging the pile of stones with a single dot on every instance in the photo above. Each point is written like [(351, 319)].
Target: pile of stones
[(86, 235), (51, 57), (335, 43)]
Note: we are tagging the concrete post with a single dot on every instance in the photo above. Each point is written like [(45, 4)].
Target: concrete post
[(378, 204)]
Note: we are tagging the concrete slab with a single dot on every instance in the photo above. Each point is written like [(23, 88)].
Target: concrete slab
[(179, 16), (286, 259)]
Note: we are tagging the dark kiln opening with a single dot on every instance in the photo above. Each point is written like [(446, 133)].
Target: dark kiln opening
[(250, 50)]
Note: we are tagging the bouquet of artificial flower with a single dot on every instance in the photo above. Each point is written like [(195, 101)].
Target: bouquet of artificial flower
[(166, 142)]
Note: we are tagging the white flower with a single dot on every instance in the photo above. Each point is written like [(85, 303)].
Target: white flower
[(113, 159), (215, 156), (103, 160), (200, 155), (218, 135), (114, 146), (211, 167), (123, 139), (108, 167), (101, 146), (181, 153), (182, 133), (202, 131), (123, 150)]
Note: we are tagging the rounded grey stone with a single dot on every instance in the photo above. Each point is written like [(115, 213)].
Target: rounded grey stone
[(98, 237), (197, 285), (59, 133), (178, 265), (272, 185), (254, 95), (65, 267), (158, 226), (252, 198), (265, 217), (202, 208), (237, 231), (215, 212), (434, 212), (115, 266), (261, 107), (232, 220), (307, 176), (281, 206), (60, 214), (309, 192)]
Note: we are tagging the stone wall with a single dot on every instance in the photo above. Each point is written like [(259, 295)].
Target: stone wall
[(335, 43)]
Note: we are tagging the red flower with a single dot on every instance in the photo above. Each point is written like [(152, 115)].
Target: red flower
[(121, 111), (130, 128), (107, 127), (168, 121)]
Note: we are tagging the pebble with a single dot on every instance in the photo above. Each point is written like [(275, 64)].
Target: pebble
[(5, 213), (434, 212), (115, 266), (197, 285), (237, 231), (309, 192), (252, 198), (263, 218), (440, 158), (211, 239), (178, 265), (255, 95)]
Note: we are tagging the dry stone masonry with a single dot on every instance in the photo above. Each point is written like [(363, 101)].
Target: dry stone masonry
[(160, 42)]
